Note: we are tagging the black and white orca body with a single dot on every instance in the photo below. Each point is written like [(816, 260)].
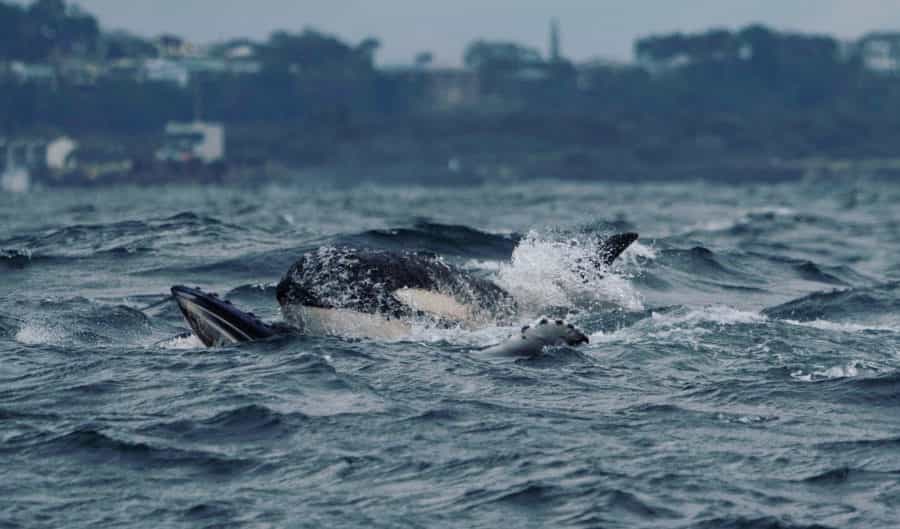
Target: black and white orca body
[(379, 294), (217, 323), (376, 293)]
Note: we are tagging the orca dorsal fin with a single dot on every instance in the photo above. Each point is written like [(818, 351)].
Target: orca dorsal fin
[(612, 247)]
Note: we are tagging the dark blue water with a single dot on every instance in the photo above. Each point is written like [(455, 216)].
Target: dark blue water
[(744, 370)]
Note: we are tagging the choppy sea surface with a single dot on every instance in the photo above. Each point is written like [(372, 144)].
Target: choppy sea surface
[(743, 371)]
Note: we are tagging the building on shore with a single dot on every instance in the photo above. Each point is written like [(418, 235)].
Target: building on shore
[(193, 142), (23, 158), (451, 88)]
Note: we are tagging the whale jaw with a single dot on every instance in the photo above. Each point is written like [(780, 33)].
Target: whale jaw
[(217, 322)]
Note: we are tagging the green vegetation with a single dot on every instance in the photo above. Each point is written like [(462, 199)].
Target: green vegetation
[(749, 97), (45, 29)]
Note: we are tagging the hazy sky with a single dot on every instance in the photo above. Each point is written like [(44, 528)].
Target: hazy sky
[(590, 28)]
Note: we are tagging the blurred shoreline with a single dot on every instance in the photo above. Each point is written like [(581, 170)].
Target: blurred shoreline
[(82, 104)]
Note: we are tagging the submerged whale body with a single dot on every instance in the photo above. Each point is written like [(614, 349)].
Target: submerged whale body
[(375, 293)]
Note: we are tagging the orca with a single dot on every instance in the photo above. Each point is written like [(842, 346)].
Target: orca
[(378, 294), (612, 247), (218, 323), (396, 287)]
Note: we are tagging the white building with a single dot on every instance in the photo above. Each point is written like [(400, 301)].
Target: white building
[(32, 73), (880, 52), (59, 152), (185, 142), (166, 70)]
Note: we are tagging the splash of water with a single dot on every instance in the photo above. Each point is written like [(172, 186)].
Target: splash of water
[(38, 333), (852, 369), (547, 271)]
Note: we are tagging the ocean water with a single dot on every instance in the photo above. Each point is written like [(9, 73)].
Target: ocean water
[(743, 371)]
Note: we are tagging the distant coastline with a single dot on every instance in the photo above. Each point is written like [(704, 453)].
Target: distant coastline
[(754, 103)]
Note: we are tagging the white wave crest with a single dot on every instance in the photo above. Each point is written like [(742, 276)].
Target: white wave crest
[(546, 272), (637, 250), (427, 332), (852, 369), (37, 333), (825, 325), (719, 314), (743, 217), (182, 342), (684, 326)]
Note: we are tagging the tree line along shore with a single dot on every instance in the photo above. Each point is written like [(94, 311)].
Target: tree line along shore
[(753, 102)]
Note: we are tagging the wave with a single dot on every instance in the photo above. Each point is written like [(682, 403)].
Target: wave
[(841, 475), (246, 423), (442, 239), (96, 447), (868, 447), (15, 258), (714, 314), (868, 305), (701, 262), (838, 275), (271, 264), (825, 325), (185, 341), (766, 522), (751, 270), (14, 415), (757, 222), (118, 239), (266, 265), (81, 321), (859, 384), (811, 272), (848, 370)]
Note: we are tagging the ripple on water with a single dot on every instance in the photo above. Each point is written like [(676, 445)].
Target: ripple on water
[(742, 371), (89, 446)]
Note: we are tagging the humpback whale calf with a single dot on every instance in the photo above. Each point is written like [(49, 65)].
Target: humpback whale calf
[(371, 293)]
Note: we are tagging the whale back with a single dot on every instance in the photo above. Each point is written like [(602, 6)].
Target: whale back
[(389, 284)]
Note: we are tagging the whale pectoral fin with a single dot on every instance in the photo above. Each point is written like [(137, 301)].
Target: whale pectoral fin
[(612, 247), (534, 338), (434, 303)]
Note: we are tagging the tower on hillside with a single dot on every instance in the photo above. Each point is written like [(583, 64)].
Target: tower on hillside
[(555, 54)]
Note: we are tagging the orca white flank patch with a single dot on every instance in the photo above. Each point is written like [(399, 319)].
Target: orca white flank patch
[(435, 303), (346, 322)]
